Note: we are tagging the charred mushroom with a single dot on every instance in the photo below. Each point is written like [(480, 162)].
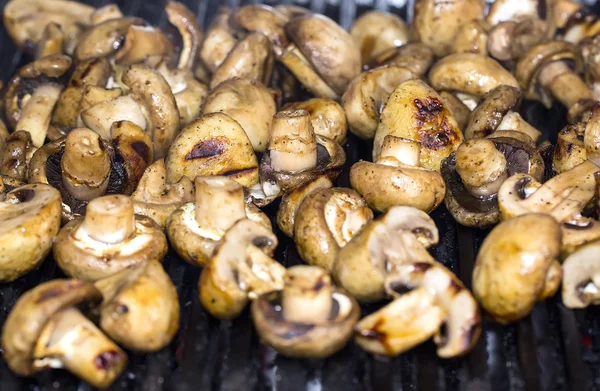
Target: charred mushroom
[(577, 143), (108, 239), (16, 155), (308, 318), (377, 31), (134, 152), (46, 330), (327, 117)]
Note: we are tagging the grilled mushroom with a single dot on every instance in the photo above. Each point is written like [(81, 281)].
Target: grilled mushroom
[(16, 155), (134, 152), (107, 12), (52, 41), (457, 107), (218, 41), (30, 218), (415, 112), (397, 179), (327, 117), (577, 143), (417, 57), (471, 37), (580, 277), (46, 330), (326, 221), (241, 269), (108, 239), (157, 199), (262, 19), (185, 21), (31, 94), (248, 102), (214, 144), (377, 31), (517, 266), (140, 308), (308, 318)]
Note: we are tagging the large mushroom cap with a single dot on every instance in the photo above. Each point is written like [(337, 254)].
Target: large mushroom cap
[(30, 219)]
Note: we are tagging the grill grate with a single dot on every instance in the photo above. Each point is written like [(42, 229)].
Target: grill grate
[(553, 349)]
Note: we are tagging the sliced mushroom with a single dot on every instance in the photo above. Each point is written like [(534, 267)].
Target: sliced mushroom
[(100, 116), (397, 179), (581, 278), (30, 218), (415, 112), (377, 31), (248, 102), (327, 117), (367, 94), (471, 37), (31, 94), (326, 221), (52, 41), (436, 23), (108, 239), (142, 43), (140, 307), (196, 228), (133, 151), (157, 199), (46, 330), (106, 38), (219, 40), (308, 318), (262, 19), (214, 144), (417, 57), (241, 269), (186, 23), (16, 155), (517, 266)]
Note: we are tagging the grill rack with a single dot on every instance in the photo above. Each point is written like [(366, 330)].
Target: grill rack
[(555, 348)]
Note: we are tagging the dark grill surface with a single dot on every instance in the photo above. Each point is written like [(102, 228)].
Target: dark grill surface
[(553, 349)]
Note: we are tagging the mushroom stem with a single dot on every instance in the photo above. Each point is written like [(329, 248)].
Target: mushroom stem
[(306, 295), (481, 167), (85, 165), (513, 121), (398, 150), (292, 143), (71, 341), (36, 115), (564, 84), (109, 219), (219, 202)]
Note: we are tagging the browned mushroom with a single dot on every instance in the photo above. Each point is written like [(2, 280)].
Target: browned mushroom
[(377, 31)]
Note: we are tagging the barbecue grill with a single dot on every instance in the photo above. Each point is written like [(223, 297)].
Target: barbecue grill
[(554, 348)]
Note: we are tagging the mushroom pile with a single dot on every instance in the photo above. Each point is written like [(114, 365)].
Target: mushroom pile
[(121, 140)]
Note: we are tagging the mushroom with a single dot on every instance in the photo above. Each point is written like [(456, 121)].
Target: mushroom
[(367, 94), (30, 217), (52, 41), (107, 12), (248, 102), (108, 239), (251, 58), (196, 228), (292, 10), (577, 143), (417, 57), (397, 179), (134, 152), (580, 277), (185, 21), (322, 55), (308, 318), (400, 236), (262, 19), (140, 307), (290, 202), (590, 50), (457, 107), (517, 266), (414, 111), (157, 199), (551, 70), (471, 37), (326, 221), (436, 23), (475, 172), (327, 117), (428, 301), (26, 21), (46, 330), (16, 155), (219, 40), (376, 31), (240, 269), (32, 93), (213, 144)]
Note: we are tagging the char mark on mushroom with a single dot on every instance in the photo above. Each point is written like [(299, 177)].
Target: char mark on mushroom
[(207, 149)]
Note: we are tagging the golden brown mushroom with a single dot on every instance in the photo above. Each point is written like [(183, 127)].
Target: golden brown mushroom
[(377, 31)]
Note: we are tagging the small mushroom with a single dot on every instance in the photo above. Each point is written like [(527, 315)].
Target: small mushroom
[(46, 330), (327, 117), (308, 318), (475, 172), (414, 111), (262, 19), (429, 300), (248, 102), (400, 236), (32, 93), (30, 217), (580, 277), (185, 21), (417, 57), (551, 70), (157, 199), (196, 228), (377, 31), (218, 41), (213, 144), (397, 179), (436, 23), (367, 94), (577, 143), (517, 266), (240, 269), (16, 155), (471, 37), (108, 239), (326, 221), (140, 307)]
